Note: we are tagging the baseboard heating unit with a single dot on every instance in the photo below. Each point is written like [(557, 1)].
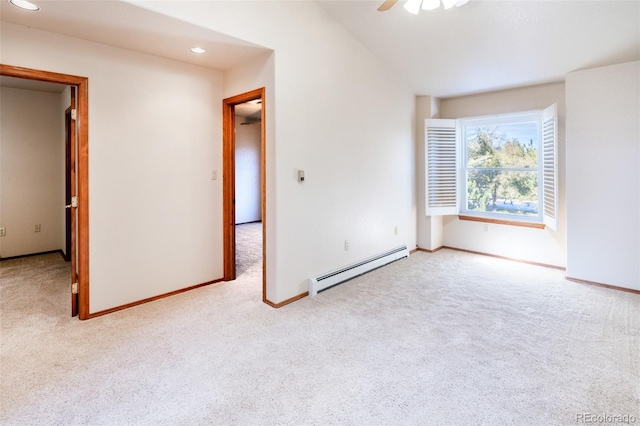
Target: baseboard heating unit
[(330, 279)]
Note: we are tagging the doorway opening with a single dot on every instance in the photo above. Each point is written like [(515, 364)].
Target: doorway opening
[(250, 107), (248, 191), (77, 159)]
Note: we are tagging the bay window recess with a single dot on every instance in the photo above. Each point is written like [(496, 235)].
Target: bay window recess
[(500, 167)]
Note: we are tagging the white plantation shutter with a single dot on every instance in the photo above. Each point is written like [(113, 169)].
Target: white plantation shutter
[(441, 163), (550, 167)]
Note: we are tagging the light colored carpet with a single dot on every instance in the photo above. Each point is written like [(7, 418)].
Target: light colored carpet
[(248, 247), (448, 338)]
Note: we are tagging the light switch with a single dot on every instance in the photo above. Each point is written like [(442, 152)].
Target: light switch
[(214, 175)]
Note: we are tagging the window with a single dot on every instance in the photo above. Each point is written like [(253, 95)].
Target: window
[(500, 174), (499, 167)]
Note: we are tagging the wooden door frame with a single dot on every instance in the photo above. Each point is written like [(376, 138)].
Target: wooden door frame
[(229, 183), (82, 237)]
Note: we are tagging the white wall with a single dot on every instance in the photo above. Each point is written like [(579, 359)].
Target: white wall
[(533, 245), (254, 74), (155, 216), (337, 115), (603, 175), (430, 228), (32, 145), (248, 167)]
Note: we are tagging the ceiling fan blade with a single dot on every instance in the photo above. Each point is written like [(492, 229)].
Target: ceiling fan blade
[(388, 4)]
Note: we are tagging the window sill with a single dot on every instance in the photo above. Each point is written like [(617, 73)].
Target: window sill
[(503, 222)]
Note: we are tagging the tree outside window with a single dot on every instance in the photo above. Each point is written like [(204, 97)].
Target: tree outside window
[(501, 166)]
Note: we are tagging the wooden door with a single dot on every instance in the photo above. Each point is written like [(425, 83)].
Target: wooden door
[(67, 182), (72, 199)]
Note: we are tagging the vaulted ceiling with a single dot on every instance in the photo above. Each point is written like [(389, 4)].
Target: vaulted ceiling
[(490, 45), (483, 46)]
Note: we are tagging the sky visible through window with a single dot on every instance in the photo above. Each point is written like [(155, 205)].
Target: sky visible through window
[(523, 132)]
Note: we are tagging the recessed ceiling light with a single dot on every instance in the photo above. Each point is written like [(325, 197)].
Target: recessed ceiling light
[(26, 5), (198, 50)]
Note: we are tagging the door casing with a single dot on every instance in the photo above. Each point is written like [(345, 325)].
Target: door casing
[(229, 185), (82, 161)]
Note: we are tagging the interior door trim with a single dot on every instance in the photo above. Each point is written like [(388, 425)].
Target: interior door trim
[(82, 93), (228, 183)]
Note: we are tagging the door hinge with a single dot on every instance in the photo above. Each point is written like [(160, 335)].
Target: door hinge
[(74, 203), (74, 114), (74, 288)]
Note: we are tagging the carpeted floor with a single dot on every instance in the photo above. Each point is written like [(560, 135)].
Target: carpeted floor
[(448, 338), (248, 247)]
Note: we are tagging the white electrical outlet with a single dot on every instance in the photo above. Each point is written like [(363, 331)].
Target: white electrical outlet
[(37, 228), (3, 232), (395, 231), (346, 245), (486, 228), (214, 175)]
